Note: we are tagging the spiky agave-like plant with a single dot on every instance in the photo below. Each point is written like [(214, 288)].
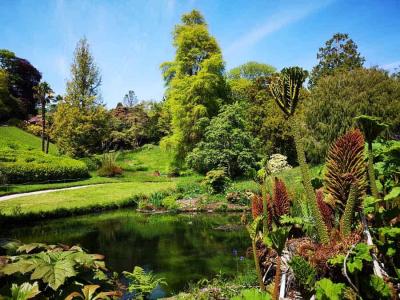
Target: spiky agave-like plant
[(371, 128), (345, 164), (286, 90)]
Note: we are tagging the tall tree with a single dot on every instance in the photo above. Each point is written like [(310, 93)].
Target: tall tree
[(130, 99), (44, 94), (251, 71), (22, 78), (340, 53), (195, 82), (85, 81), (81, 122)]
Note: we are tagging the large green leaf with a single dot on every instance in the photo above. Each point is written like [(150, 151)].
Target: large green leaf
[(52, 268), (252, 294), (24, 291), (327, 290)]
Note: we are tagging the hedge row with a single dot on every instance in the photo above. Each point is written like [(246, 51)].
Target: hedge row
[(23, 166)]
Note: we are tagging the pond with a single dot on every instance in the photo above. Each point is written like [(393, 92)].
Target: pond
[(180, 248)]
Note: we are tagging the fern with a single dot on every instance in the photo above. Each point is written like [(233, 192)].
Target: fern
[(142, 283)]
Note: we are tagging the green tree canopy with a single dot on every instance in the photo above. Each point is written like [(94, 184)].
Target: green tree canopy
[(195, 83), (251, 71), (228, 144), (81, 122), (339, 54), (22, 77), (336, 100)]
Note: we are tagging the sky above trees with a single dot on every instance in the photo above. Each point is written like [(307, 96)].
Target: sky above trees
[(130, 39)]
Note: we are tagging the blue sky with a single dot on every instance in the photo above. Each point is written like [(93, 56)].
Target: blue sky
[(130, 39)]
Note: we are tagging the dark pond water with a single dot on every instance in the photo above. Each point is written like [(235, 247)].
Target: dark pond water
[(180, 248)]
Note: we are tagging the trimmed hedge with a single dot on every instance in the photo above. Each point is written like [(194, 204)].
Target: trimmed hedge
[(23, 166)]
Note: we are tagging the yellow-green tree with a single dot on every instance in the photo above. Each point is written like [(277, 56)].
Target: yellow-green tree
[(196, 87), (81, 122)]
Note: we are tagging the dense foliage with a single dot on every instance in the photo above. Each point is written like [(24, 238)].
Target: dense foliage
[(227, 144), (339, 54), (21, 166), (21, 78), (81, 122), (196, 87), (336, 100)]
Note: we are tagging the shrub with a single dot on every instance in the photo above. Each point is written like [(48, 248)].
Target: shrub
[(92, 162), (23, 166), (34, 129), (277, 163), (109, 167), (170, 202), (216, 181), (227, 144)]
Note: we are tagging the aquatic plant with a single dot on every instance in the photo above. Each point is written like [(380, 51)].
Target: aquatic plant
[(285, 89)]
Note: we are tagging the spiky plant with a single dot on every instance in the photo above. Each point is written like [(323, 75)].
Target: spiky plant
[(256, 206), (324, 208), (281, 202), (347, 217), (371, 127), (345, 161), (286, 90)]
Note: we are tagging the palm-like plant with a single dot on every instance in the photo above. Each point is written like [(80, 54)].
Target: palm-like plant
[(43, 94), (285, 89), (371, 128)]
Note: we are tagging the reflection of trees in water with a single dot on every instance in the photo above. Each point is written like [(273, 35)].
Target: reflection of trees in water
[(181, 248)]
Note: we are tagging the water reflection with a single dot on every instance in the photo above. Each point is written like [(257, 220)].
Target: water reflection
[(180, 248)]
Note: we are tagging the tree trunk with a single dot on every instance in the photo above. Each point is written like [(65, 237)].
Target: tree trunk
[(43, 123), (305, 174), (47, 144)]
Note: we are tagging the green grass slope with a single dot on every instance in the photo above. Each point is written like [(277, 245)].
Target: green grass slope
[(10, 136)]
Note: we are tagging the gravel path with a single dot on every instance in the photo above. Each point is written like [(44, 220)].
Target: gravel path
[(13, 196)]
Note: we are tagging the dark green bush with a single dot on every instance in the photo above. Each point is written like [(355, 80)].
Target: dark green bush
[(216, 181), (23, 166), (92, 162)]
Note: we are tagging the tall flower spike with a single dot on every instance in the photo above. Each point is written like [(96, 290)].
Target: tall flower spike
[(345, 161), (281, 204), (325, 209)]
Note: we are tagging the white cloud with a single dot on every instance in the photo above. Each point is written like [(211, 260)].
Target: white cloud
[(392, 65), (274, 23)]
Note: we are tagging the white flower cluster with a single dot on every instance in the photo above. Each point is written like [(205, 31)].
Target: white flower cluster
[(277, 163)]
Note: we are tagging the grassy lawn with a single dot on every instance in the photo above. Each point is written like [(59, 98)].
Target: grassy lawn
[(13, 135), (99, 195)]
